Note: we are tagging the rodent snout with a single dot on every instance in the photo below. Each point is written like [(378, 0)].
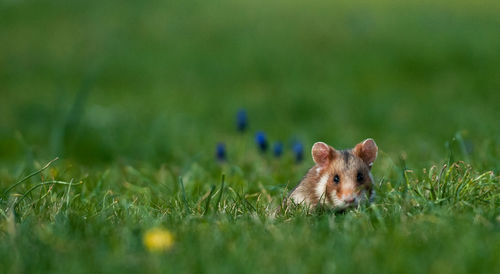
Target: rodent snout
[(350, 200)]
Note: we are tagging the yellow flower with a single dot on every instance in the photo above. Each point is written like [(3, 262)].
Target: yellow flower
[(158, 239)]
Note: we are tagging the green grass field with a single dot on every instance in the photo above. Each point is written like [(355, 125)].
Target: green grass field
[(134, 96)]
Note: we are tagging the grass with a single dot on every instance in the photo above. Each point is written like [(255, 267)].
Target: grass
[(133, 98)]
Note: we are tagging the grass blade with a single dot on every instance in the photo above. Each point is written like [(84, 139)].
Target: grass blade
[(42, 184), (184, 199), (207, 204), (29, 176), (221, 190)]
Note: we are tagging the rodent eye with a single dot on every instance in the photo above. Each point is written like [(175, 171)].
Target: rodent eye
[(336, 179), (360, 177)]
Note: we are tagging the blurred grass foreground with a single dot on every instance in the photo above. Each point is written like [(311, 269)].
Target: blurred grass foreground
[(142, 102)]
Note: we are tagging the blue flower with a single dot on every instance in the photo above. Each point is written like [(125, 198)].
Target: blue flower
[(298, 151), (220, 152), (241, 120), (261, 140), (278, 149)]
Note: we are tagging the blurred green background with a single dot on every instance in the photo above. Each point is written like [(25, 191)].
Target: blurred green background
[(132, 95), (155, 81)]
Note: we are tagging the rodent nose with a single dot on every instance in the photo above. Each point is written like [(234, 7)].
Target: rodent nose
[(349, 200)]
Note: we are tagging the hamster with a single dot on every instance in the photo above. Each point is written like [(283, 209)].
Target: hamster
[(340, 179)]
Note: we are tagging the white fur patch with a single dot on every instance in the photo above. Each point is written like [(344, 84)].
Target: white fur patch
[(336, 201), (371, 177), (372, 196), (298, 198), (321, 187)]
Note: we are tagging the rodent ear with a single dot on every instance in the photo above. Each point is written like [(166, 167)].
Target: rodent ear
[(367, 151), (322, 153)]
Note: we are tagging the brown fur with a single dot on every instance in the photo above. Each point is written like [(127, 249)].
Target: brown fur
[(346, 164)]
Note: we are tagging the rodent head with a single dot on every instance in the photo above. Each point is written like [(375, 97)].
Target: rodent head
[(348, 171)]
